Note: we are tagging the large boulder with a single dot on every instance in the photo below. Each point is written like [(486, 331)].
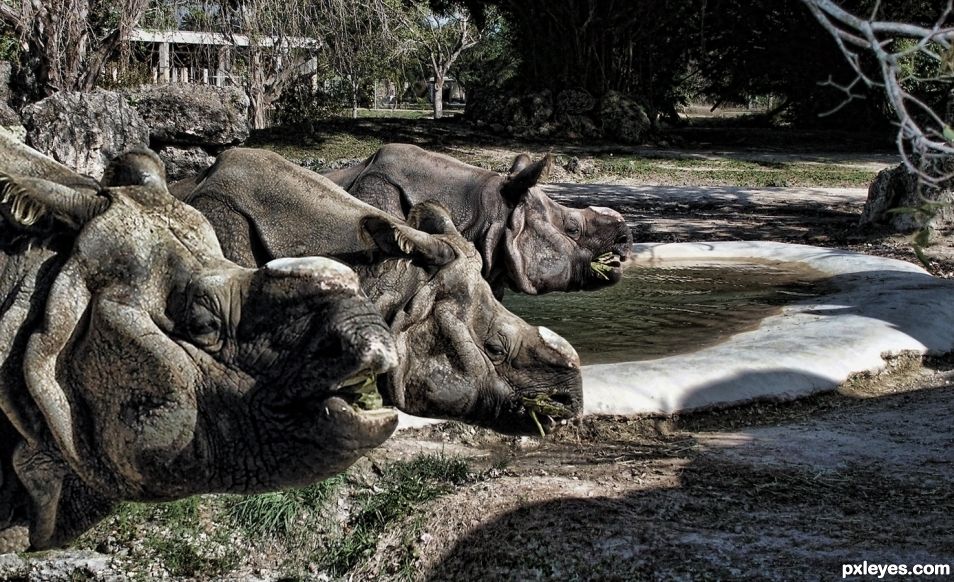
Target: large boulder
[(899, 188), (623, 118), (84, 130), (184, 114), (571, 113), (182, 162)]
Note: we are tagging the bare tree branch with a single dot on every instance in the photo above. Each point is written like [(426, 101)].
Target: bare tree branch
[(923, 135)]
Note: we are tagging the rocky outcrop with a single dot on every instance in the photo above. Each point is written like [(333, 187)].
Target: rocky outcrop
[(9, 118), (623, 118), (190, 124), (84, 130), (898, 199), (572, 113), (184, 162), (192, 115)]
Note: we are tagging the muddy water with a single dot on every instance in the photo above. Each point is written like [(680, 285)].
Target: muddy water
[(670, 308)]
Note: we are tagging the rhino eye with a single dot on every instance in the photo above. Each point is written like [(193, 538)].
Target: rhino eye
[(204, 328), (573, 229), (495, 350)]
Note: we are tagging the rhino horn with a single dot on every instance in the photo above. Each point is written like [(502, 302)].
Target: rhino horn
[(399, 240), (25, 201), (518, 183)]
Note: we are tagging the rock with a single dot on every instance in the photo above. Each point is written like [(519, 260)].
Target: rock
[(898, 188), (6, 71), (84, 130), (584, 167), (623, 118), (55, 566), (8, 117), (192, 114), (183, 162)]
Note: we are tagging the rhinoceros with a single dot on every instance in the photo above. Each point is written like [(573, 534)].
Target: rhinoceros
[(528, 242), (137, 363), (462, 355)]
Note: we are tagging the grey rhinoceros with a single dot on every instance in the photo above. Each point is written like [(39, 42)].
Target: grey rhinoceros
[(462, 355), (137, 363), (528, 242)]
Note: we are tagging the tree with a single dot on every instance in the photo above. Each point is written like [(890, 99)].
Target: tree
[(281, 38), (358, 40), (68, 41), (442, 36), (900, 58)]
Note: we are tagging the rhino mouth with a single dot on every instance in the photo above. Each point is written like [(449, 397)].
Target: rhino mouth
[(546, 412), (607, 267), (361, 392)]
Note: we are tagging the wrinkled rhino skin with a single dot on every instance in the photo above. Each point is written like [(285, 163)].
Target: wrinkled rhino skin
[(528, 242), (137, 363), (462, 355)]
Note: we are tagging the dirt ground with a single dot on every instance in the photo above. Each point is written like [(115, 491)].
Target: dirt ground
[(766, 492), (784, 491)]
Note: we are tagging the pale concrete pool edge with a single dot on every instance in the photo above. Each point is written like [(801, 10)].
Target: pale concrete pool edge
[(882, 307)]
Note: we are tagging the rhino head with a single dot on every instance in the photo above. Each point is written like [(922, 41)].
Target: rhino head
[(551, 247), (462, 354), (160, 369)]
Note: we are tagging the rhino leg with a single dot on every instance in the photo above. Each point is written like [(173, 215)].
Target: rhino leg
[(63, 506), (378, 191), (41, 473)]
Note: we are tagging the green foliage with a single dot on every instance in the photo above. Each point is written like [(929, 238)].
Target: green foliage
[(302, 104), (401, 488)]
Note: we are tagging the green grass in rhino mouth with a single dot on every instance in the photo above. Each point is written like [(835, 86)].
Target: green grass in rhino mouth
[(543, 404), (361, 391), (603, 265)]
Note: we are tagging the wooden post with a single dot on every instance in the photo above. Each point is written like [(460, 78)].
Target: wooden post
[(205, 76), (164, 62), (223, 66)]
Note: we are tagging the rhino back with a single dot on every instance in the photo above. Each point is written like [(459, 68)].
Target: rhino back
[(279, 209), (403, 175)]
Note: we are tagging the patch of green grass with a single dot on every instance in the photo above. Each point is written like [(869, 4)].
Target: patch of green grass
[(275, 514), (333, 147), (731, 172), (402, 487)]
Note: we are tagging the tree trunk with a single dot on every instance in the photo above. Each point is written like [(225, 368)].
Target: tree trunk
[(354, 100), (438, 96)]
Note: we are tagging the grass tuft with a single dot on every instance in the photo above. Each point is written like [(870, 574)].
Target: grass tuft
[(402, 487)]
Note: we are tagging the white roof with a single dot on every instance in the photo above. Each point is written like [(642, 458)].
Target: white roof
[(218, 39)]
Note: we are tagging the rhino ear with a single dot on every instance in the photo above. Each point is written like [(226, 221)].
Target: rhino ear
[(137, 167), (26, 203), (432, 217), (519, 183), (399, 240), (519, 163)]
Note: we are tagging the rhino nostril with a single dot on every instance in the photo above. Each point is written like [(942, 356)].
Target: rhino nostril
[(563, 399)]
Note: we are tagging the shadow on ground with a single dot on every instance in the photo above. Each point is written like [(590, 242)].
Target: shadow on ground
[(870, 482)]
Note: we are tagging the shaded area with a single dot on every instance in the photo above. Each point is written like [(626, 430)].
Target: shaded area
[(788, 502), (673, 214), (669, 308)]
